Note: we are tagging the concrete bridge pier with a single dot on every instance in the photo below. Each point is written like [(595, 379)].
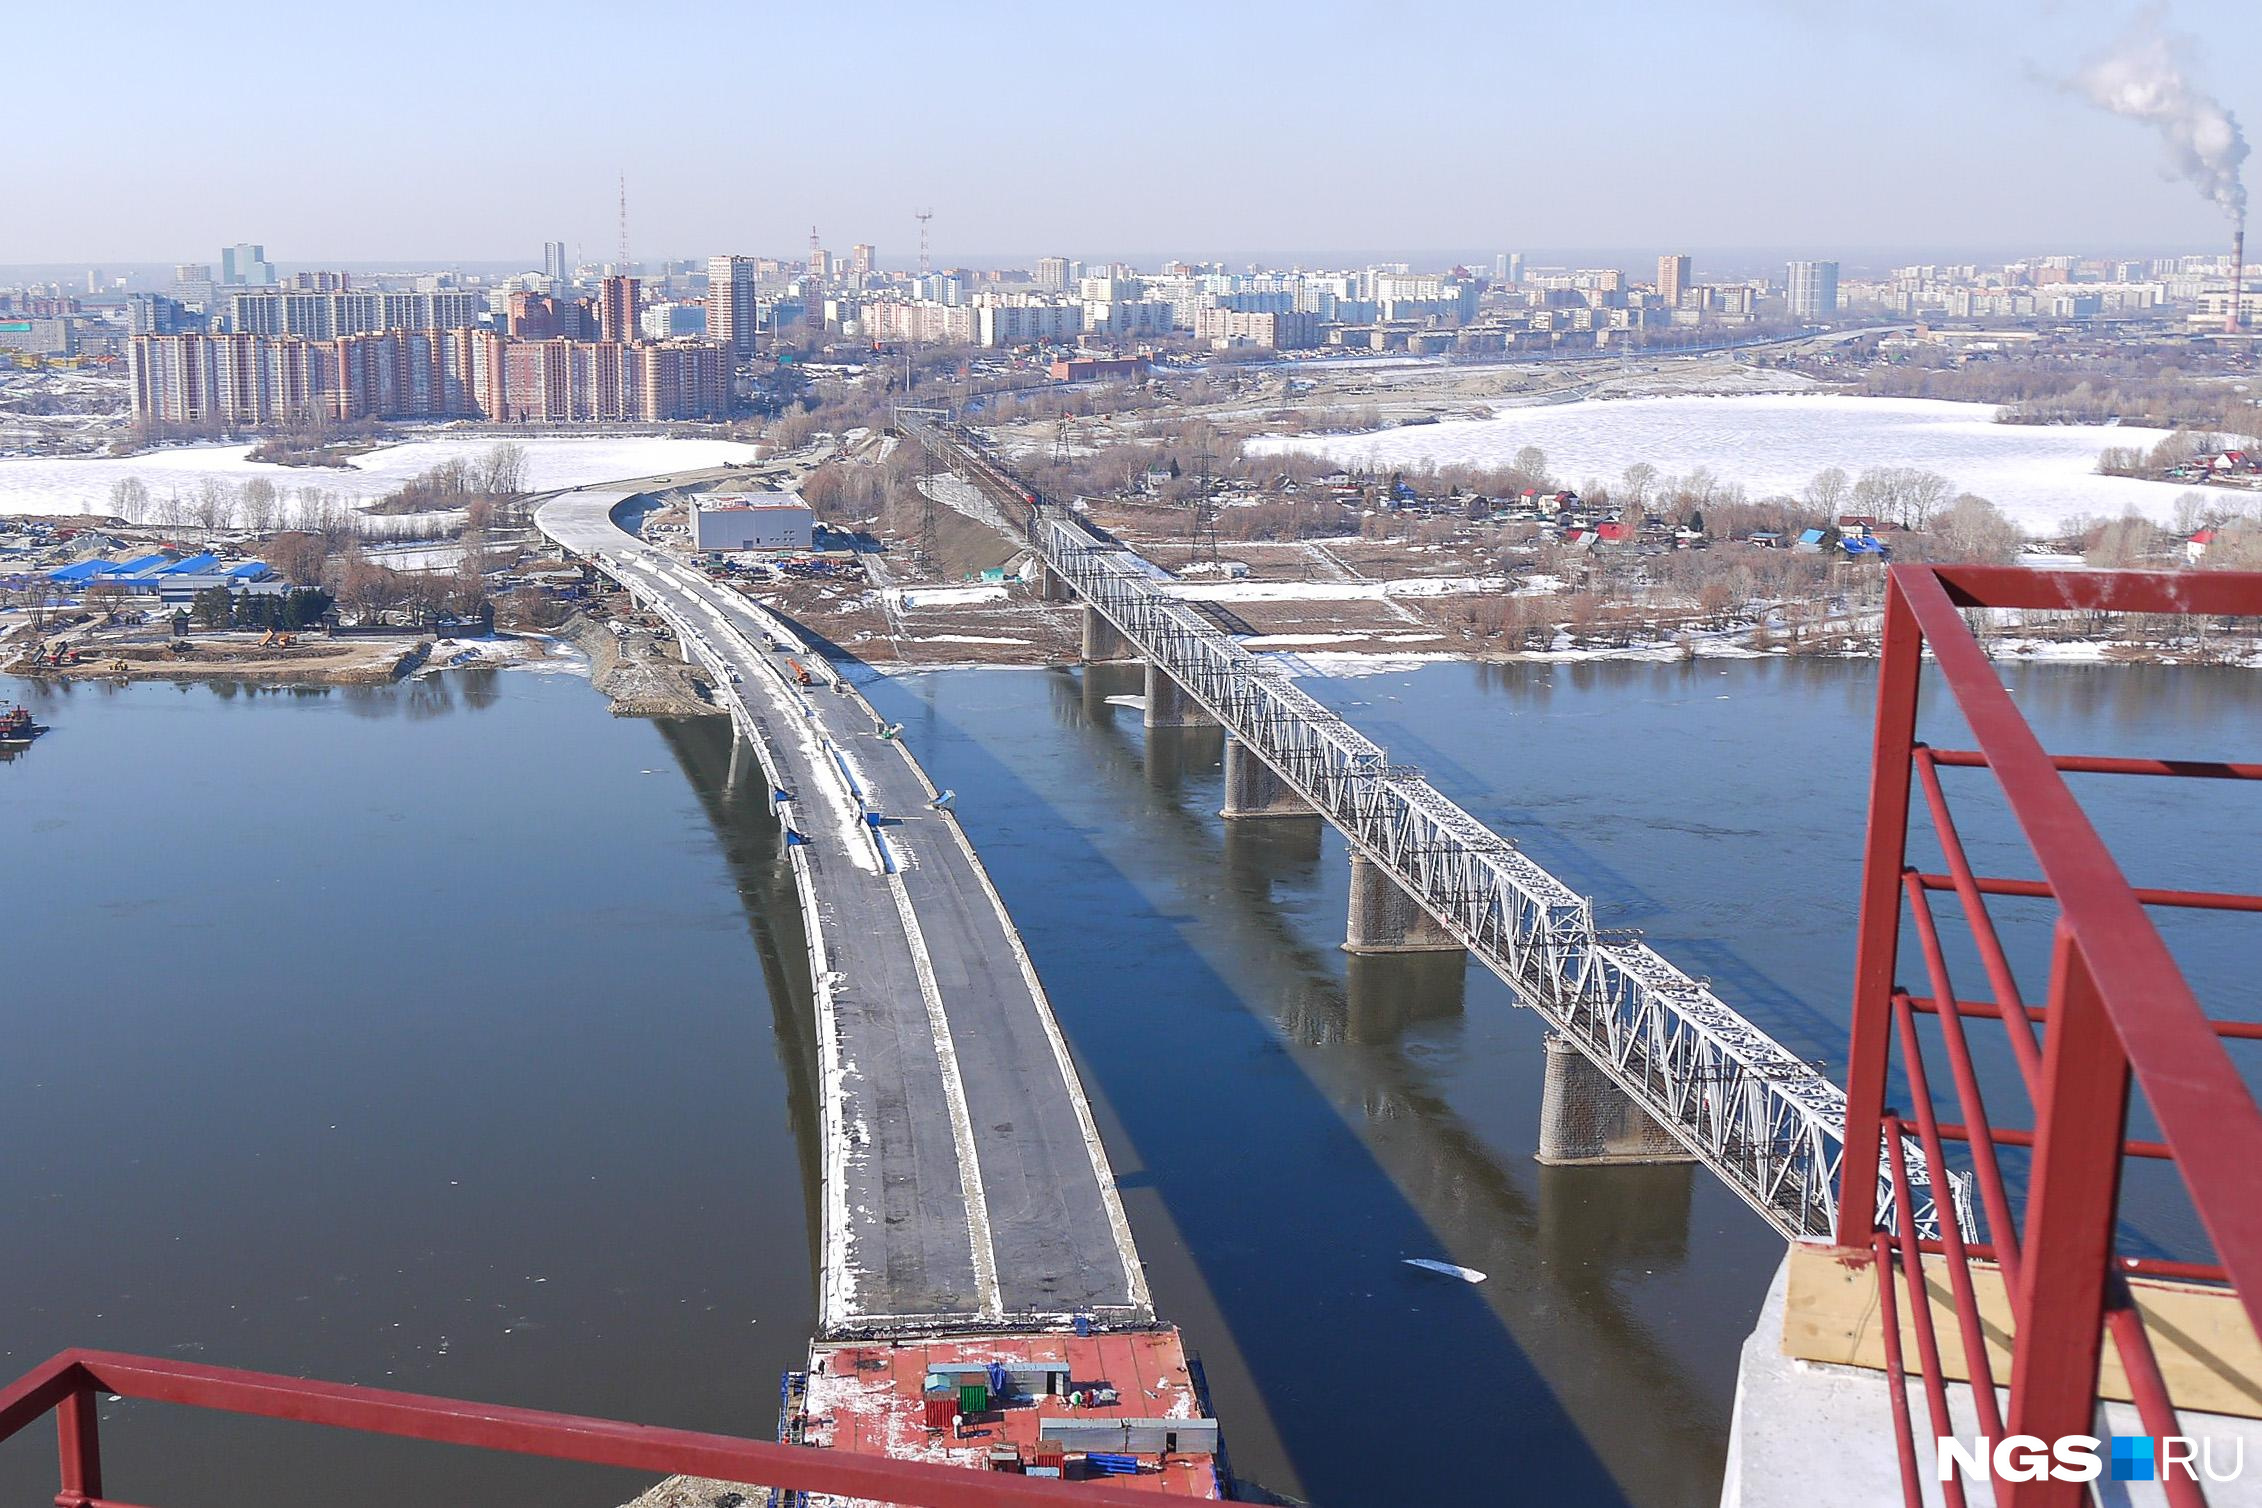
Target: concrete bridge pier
[(1102, 641), (1050, 587), (1586, 1120), (1385, 919), (1169, 705), (1254, 789)]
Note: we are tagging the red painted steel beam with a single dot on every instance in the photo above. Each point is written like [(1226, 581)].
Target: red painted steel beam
[(2135, 1267), (533, 1432), (1877, 945), (2189, 900), (2196, 1093), (2247, 1031), (38, 1392), (2097, 764), (2067, 1245), (2228, 594)]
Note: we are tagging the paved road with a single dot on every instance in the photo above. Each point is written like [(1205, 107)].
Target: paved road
[(965, 1185)]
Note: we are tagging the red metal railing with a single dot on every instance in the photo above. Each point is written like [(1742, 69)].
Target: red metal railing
[(2121, 1022), (66, 1386)]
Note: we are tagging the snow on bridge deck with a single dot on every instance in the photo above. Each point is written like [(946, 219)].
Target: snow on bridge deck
[(965, 1185)]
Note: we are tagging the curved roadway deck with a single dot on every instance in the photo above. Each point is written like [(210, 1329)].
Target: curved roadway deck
[(965, 1186)]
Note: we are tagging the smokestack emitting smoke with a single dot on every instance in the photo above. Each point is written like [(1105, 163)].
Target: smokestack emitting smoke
[(2142, 77), (2233, 322)]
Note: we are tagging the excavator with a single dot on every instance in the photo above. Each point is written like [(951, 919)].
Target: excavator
[(801, 675), (276, 639)]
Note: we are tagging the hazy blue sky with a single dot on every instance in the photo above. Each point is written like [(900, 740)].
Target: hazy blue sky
[(156, 132)]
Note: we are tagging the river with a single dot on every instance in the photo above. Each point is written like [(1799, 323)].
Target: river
[(441, 1036)]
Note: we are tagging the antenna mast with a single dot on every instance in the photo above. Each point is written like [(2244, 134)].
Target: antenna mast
[(926, 264)]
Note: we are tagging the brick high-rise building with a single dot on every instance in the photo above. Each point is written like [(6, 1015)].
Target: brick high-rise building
[(537, 316), (863, 260), (617, 299), (1672, 279), (246, 381), (733, 307)]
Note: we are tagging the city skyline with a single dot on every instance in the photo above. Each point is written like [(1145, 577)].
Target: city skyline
[(1870, 139)]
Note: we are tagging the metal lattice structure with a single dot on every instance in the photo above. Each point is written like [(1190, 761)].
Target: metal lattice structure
[(1770, 1125)]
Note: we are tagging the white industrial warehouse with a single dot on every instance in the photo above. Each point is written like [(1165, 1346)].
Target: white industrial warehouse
[(752, 521)]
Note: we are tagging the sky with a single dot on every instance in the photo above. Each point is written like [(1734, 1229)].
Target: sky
[(1223, 130)]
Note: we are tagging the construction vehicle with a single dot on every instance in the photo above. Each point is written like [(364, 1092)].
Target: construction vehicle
[(276, 639), (801, 675)]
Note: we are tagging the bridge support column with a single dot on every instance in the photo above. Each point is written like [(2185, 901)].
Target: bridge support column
[(1101, 640), (1050, 588), (1586, 1120), (1254, 789), (1169, 705), (1385, 919)]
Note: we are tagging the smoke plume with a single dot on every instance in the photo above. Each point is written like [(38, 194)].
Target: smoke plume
[(2145, 76)]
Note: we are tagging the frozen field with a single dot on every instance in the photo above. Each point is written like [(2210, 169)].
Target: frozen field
[(34, 484), (2038, 475)]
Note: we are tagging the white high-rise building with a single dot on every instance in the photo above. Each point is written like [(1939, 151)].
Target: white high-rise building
[(733, 304), (1813, 289), (554, 261)]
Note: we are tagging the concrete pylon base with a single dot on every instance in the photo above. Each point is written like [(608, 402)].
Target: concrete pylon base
[(1102, 642), (1254, 789), (1385, 919), (1169, 705), (1586, 1120), (1050, 588)]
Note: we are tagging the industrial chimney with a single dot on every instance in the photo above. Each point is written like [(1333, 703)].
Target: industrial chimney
[(2234, 322)]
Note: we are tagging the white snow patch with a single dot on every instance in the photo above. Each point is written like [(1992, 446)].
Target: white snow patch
[(81, 484), (943, 596), (2040, 475)]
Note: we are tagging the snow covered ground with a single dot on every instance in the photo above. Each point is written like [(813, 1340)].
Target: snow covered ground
[(1329, 591), (41, 484), (2037, 474)]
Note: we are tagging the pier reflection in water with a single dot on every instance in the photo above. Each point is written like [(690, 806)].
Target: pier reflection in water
[(1280, 1102)]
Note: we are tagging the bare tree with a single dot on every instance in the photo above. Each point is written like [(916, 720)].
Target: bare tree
[(129, 498), (1921, 494), (2123, 542), (1639, 478), (1972, 529), (259, 503), (1826, 493), (212, 504)]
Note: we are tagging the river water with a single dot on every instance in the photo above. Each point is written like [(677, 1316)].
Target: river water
[(443, 1037)]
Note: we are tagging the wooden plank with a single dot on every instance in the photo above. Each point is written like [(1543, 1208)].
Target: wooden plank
[(2207, 1349)]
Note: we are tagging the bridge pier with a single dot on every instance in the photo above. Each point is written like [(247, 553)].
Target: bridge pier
[(1050, 587), (1385, 919), (1254, 789), (1102, 641), (1586, 1120), (1169, 705)]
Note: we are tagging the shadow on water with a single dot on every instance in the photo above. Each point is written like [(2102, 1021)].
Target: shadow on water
[(1268, 1087), (735, 794)]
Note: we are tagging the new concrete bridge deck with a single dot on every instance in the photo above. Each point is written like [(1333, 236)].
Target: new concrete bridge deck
[(965, 1185)]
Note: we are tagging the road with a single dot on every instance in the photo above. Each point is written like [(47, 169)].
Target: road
[(965, 1184)]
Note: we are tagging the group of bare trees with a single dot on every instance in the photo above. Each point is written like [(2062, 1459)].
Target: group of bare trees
[(491, 486)]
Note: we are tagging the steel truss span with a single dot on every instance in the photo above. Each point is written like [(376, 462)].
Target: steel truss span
[(1770, 1125)]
